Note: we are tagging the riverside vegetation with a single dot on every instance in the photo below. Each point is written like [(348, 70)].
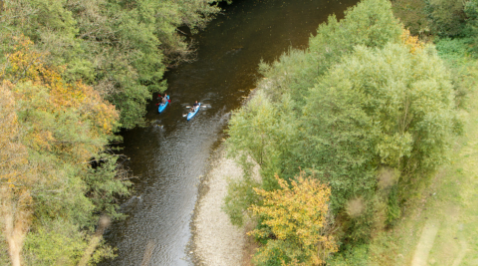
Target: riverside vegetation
[(72, 73), (370, 113)]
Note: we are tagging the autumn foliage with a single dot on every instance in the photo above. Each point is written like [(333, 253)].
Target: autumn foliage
[(50, 130), (412, 42), (15, 196), (295, 223), (73, 72)]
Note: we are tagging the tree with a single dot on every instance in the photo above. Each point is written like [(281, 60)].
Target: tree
[(269, 130), (15, 180), (57, 127), (447, 17), (368, 109), (371, 23), (294, 222), (121, 48), (74, 72), (387, 107)]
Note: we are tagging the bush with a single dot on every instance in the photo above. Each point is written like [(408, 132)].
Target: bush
[(351, 255)]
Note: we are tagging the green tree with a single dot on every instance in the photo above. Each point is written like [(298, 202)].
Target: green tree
[(447, 17), (268, 129), (121, 48), (368, 109), (379, 108), (257, 136)]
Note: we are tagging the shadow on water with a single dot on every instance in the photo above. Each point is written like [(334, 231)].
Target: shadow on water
[(171, 154)]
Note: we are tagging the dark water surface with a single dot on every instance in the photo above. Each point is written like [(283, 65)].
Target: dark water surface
[(171, 154)]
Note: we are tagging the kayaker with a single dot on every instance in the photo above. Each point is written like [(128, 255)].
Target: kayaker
[(165, 98), (195, 105)]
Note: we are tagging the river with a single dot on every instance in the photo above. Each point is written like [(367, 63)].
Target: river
[(169, 156)]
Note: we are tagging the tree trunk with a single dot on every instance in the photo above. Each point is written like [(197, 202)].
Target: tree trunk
[(15, 223)]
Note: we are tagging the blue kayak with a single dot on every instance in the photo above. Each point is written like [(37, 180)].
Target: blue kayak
[(192, 114), (163, 105)]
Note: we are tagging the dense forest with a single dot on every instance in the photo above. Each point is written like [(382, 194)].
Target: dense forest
[(73, 73), (349, 133)]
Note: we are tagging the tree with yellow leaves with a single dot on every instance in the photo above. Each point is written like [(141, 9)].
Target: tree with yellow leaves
[(410, 41), (51, 129), (294, 223), (14, 179)]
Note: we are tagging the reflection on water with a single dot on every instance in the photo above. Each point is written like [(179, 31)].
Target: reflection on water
[(171, 154)]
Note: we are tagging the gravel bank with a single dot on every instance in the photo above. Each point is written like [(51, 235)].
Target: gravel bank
[(217, 242)]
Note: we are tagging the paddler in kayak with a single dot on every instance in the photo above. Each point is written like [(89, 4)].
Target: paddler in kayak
[(165, 98), (195, 105), (162, 99)]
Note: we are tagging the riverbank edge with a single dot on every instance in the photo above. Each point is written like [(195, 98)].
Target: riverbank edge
[(203, 189)]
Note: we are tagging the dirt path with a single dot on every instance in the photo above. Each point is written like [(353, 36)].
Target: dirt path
[(425, 244)]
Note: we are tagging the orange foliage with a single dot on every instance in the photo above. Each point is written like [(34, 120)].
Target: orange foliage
[(298, 215), (49, 93), (412, 42), (13, 155), (27, 65), (103, 114), (72, 120), (21, 66), (15, 178)]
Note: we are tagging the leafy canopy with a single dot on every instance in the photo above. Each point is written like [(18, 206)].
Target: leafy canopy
[(367, 109), (296, 218), (57, 128)]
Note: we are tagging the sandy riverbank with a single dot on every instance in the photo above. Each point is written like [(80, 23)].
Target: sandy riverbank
[(217, 242)]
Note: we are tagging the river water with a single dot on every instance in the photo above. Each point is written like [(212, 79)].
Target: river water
[(170, 155)]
